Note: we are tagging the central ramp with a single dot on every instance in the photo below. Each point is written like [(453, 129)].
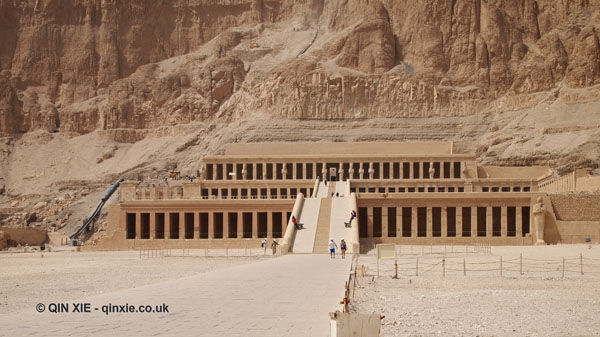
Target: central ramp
[(322, 236)]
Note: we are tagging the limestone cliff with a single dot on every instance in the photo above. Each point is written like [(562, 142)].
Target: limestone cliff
[(159, 84)]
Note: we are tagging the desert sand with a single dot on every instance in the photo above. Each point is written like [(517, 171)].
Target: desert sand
[(538, 303)]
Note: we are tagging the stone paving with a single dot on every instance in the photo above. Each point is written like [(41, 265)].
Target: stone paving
[(286, 296)]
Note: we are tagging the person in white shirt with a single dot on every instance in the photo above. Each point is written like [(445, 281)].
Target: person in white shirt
[(332, 247)]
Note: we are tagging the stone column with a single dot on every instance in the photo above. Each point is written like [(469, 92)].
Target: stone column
[(429, 222), (539, 216), (442, 170), (255, 225), (473, 221), (444, 221), (371, 170), (399, 222), (211, 225), (181, 225), (381, 170), (451, 170), (504, 222), (152, 225), (489, 221), (384, 222), (304, 171), (411, 170), (225, 225), (224, 167), (294, 171), (519, 221), (167, 225), (269, 225), (459, 226), (314, 170), (196, 225), (138, 225), (414, 220), (370, 222)]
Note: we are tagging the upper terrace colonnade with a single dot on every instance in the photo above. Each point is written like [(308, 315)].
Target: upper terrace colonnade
[(338, 161)]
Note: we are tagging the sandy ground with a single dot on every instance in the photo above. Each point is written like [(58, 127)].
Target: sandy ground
[(538, 303), (27, 279)]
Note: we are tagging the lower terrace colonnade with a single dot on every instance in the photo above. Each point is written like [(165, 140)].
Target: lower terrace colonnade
[(172, 225), (425, 221)]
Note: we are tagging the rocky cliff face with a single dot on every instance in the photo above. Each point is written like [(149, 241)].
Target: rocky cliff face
[(90, 65), (159, 84)]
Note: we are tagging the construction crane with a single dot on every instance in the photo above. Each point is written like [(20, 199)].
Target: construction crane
[(91, 220)]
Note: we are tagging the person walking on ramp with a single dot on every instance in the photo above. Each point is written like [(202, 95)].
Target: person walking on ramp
[(332, 247)]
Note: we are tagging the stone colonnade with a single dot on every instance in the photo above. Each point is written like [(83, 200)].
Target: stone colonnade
[(414, 221), (178, 225), (302, 170)]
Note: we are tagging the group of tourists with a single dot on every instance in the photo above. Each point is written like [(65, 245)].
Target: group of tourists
[(264, 245), (333, 246)]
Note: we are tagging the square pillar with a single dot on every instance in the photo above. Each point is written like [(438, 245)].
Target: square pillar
[(504, 222), (196, 225), (519, 216), (314, 170), (211, 225), (370, 222), (269, 225), (444, 221), (411, 170), (384, 222), (225, 171), (451, 170), (304, 171), (255, 225), (399, 223), (474, 221), (381, 170), (489, 222), (152, 225), (294, 171), (415, 219), (225, 225), (240, 225), (429, 222), (459, 225), (181, 225), (138, 225), (167, 225)]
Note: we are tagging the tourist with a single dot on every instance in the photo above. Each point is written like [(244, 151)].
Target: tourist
[(332, 195), (274, 246), (298, 226), (337, 194), (352, 216), (332, 247), (343, 248), (264, 243)]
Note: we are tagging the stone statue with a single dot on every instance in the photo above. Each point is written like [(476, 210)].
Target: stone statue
[(539, 216), (244, 173), (371, 171), (202, 173), (431, 170)]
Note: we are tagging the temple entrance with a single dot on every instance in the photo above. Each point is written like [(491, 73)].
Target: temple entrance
[(333, 174)]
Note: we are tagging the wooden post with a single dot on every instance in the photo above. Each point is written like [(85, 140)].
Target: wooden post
[(563, 267), (581, 263), (520, 264), (444, 266), (417, 267), (395, 269), (464, 268)]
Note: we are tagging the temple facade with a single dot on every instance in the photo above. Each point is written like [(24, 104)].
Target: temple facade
[(405, 193)]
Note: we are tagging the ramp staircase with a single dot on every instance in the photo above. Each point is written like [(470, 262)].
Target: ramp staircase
[(322, 236)]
